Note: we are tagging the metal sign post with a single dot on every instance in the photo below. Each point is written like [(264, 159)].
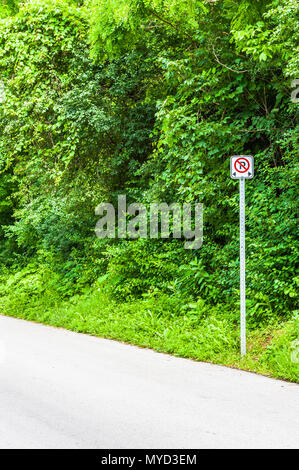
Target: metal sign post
[(241, 168), (242, 267)]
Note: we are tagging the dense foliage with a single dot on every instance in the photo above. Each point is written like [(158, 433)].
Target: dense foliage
[(150, 98)]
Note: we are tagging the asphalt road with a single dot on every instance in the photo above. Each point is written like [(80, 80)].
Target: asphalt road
[(60, 389)]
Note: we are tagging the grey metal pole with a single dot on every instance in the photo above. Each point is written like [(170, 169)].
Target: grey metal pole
[(242, 267)]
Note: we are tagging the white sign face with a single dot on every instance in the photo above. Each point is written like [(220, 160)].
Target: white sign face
[(241, 166)]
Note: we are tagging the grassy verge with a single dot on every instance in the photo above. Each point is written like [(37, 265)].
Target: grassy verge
[(157, 323)]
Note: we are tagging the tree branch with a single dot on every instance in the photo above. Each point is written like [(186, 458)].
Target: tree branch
[(154, 13), (223, 65)]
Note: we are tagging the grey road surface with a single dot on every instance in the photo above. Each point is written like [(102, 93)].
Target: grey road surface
[(60, 389)]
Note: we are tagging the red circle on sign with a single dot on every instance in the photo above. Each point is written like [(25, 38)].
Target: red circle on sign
[(244, 168)]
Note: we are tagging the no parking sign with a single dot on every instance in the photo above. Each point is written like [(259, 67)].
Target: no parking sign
[(242, 166)]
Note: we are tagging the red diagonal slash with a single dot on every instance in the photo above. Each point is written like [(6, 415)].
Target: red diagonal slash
[(241, 164)]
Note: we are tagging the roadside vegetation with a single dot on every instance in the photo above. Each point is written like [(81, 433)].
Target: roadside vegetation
[(150, 98)]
